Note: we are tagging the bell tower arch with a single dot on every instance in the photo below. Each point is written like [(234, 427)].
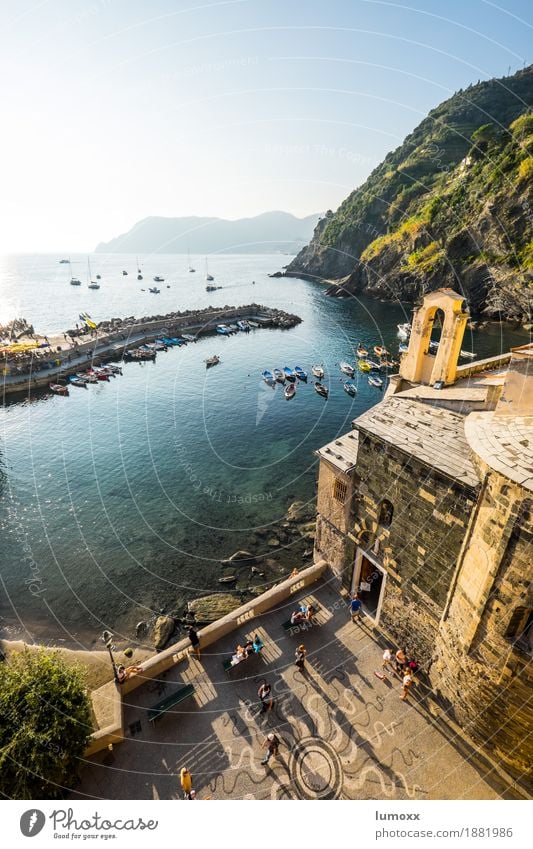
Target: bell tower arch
[(419, 364)]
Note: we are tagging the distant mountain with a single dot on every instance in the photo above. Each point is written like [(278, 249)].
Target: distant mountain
[(270, 232), (452, 206)]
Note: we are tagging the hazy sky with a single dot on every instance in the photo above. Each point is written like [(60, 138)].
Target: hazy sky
[(113, 110)]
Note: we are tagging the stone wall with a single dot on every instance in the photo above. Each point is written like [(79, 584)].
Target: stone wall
[(430, 515), (334, 521), (481, 675)]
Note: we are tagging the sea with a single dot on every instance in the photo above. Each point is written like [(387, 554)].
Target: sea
[(120, 501)]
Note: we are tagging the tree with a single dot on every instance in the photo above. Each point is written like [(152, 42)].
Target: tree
[(45, 723)]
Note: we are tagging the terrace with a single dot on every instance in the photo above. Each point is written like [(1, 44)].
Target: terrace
[(345, 733)]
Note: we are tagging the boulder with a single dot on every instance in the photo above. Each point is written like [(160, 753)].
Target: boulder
[(296, 510), (209, 608), (246, 556), (163, 630), (273, 542)]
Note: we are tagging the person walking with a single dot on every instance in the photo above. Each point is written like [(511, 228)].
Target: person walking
[(401, 660), (300, 654), (186, 782), (195, 641), (387, 659), (271, 745), (356, 607), (406, 685), (265, 694)]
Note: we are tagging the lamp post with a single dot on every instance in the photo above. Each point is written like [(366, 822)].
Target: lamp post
[(107, 638)]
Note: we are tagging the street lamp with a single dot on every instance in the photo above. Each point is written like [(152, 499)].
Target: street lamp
[(107, 638)]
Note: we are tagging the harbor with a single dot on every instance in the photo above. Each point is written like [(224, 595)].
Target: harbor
[(31, 361)]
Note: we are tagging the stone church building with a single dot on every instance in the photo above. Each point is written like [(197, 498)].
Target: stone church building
[(425, 508)]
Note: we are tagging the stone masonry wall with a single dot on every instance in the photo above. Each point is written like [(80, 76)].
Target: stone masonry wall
[(481, 674)]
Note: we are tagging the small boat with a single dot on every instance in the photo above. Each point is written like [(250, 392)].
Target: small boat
[(469, 355), (124, 273), (349, 387), (113, 368), (227, 579), (289, 391), (321, 389), (88, 377), (98, 276), (59, 389), (253, 324), (267, 376), (207, 275), (278, 375), (375, 381), (388, 364), (404, 330), (78, 381), (75, 282), (243, 325), (233, 328), (139, 272), (93, 285), (158, 279), (346, 368), (318, 371), (223, 330), (300, 373), (289, 374), (373, 364), (403, 348), (433, 346), (64, 261), (191, 269), (211, 288), (364, 365), (380, 350), (362, 352), (189, 337), (100, 374), (139, 277), (154, 290), (212, 361)]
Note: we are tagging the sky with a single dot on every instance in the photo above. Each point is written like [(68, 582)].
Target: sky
[(115, 110)]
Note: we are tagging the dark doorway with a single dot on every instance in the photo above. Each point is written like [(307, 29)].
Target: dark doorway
[(370, 586)]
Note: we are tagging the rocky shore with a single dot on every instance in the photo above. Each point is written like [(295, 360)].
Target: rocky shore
[(272, 554)]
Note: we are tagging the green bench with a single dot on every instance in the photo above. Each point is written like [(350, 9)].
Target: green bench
[(157, 711)]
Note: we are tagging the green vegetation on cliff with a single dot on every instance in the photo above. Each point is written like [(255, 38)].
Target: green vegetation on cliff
[(451, 206)]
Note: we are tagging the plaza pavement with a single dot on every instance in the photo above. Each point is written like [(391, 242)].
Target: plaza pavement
[(345, 733)]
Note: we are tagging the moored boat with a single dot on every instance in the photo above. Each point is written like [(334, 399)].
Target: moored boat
[(154, 290), (88, 377), (124, 273), (403, 348), (78, 381), (300, 373), (189, 337), (364, 365), (346, 368), (289, 374), (318, 371), (289, 391), (321, 389), (349, 387), (380, 350), (267, 376), (404, 330), (362, 351), (373, 364), (278, 375), (244, 326), (158, 279), (58, 388), (223, 330), (212, 361), (469, 355), (375, 381)]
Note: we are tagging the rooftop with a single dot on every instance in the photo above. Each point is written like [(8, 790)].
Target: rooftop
[(431, 434), (344, 732), (342, 452), (505, 443)]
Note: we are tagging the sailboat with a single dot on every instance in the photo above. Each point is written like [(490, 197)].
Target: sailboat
[(73, 280), (139, 275), (207, 275), (92, 284), (189, 262)]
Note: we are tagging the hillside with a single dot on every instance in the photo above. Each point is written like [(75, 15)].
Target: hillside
[(452, 206), (270, 232)]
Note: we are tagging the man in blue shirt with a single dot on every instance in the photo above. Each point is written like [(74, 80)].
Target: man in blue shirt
[(356, 607)]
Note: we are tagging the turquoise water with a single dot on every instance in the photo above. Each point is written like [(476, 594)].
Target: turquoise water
[(121, 499)]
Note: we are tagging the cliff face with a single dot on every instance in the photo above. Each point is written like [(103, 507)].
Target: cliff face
[(452, 206)]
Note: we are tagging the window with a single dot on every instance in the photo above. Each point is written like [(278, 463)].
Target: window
[(519, 631), (340, 490), (386, 511)]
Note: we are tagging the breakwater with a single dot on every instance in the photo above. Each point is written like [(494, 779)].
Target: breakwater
[(112, 338)]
